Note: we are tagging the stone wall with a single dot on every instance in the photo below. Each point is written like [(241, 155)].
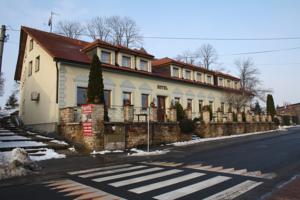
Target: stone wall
[(135, 134), (231, 128)]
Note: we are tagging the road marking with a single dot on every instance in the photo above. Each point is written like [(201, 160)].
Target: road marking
[(126, 174), (205, 167), (175, 194), (79, 191), (165, 183), (111, 171), (235, 191), (166, 164), (98, 169), (145, 178), (240, 172)]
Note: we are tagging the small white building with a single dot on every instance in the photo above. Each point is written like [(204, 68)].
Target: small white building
[(53, 73)]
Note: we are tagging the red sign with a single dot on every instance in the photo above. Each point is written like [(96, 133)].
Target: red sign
[(86, 118)]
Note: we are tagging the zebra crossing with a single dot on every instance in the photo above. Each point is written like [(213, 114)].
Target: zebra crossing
[(165, 180)]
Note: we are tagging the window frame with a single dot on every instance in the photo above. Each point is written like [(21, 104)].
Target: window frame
[(178, 70), (79, 87), (146, 103), (37, 64), (130, 97), (185, 76), (109, 58), (107, 104), (191, 103), (147, 64), (30, 68), (209, 79), (198, 74), (31, 44), (127, 57)]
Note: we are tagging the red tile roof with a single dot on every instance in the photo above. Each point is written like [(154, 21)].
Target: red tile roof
[(167, 61)]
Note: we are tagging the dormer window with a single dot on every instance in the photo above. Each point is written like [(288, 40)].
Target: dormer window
[(126, 61), (175, 72), (198, 76), (187, 74), (228, 83), (236, 85), (106, 57), (209, 79), (220, 82), (144, 65)]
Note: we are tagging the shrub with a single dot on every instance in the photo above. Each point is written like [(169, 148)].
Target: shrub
[(286, 120), (276, 121), (295, 119), (244, 116), (179, 111), (234, 116), (186, 126)]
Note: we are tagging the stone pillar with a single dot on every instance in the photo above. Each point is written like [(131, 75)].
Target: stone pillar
[(93, 127), (257, 118), (239, 117), (172, 115), (128, 113), (153, 114), (269, 118), (67, 115), (188, 113), (263, 118), (220, 116), (206, 117), (249, 118), (230, 117)]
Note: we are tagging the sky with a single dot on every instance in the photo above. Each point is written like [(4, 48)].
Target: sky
[(279, 70)]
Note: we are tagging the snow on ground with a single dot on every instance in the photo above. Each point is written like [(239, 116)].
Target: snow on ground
[(48, 154), (72, 149), (20, 144), (106, 151), (31, 133), (59, 142), (138, 152), (7, 113), (194, 141), (13, 137), (44, 137)]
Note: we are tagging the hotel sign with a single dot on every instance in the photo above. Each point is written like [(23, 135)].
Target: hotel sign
[(162, 87)]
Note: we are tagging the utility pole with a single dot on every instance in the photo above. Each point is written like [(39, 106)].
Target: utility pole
[(2, 40)]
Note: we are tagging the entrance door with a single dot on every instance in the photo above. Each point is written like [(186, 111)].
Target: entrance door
[(161, 108)]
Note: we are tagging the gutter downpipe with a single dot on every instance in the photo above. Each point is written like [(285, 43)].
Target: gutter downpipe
[(56, 98)]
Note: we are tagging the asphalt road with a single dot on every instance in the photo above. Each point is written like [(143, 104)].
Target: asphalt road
[(248, 168)]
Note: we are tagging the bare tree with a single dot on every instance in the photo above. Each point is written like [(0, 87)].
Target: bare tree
[(250, 81), (187, 57), (98, 29), (115, 29), (237, 101), (72, 29), (207, 55)]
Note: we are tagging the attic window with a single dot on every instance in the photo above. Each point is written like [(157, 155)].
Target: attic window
[(144, 65), (30, 44), (106, 57)]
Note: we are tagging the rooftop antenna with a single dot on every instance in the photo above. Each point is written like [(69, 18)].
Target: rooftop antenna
[(50, 22)]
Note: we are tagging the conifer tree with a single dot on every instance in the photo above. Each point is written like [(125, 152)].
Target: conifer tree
[(95, 93), (12, 102), (257, 108), (270, 106)]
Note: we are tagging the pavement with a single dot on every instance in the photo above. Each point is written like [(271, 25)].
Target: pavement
[(252, 167)]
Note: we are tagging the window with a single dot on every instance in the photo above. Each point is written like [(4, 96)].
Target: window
[(211, 105), (107, 98), (144, 65), (126, 61), (236, 85), (106, 57), (228, 83), (209, 79), (127, 98), (175, 72), (220, 82), (190, 103), (37, 63), (81, 95), (222, 107), (145, 104), (198, 76), (30, 44), (187, 74), (30, 68), (177, 100), (200, 105)]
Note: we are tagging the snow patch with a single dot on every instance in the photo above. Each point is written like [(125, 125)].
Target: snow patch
[(106, 151), (139, 152), (44, 137), (45, 154), (59, 142), (195, 141)]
